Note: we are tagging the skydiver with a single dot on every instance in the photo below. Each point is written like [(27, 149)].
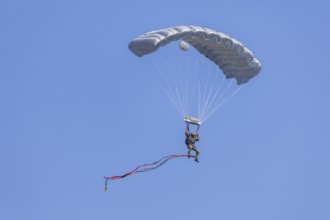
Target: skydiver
[(191, 138)]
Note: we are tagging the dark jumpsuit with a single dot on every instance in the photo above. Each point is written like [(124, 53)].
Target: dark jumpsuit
[(190, 142)]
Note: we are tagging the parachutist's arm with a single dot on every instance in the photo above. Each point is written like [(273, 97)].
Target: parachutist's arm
[(187, 129), (187, 126), (197, 138), (197, 133)]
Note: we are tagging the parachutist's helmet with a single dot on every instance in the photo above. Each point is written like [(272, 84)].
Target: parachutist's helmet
[(193, 134)]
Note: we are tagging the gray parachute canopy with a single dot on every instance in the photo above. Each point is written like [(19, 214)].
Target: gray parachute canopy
[(235, 60)]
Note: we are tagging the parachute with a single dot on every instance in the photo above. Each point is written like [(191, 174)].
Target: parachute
[(208, 91), (235, 60)]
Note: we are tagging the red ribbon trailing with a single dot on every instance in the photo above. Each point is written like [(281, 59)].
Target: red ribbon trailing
[(144, 168)]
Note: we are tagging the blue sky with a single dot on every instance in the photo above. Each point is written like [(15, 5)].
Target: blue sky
[(76, 105)]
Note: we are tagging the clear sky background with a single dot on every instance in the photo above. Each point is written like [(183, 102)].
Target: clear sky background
[(76, 104)]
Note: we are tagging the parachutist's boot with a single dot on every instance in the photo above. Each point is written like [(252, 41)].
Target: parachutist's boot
[(196, 159)]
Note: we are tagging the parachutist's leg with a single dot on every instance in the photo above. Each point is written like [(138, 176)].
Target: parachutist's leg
[(197, 153), (189, 150)]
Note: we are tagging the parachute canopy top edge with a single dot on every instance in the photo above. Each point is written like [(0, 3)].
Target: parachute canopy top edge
[(235, 60)]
